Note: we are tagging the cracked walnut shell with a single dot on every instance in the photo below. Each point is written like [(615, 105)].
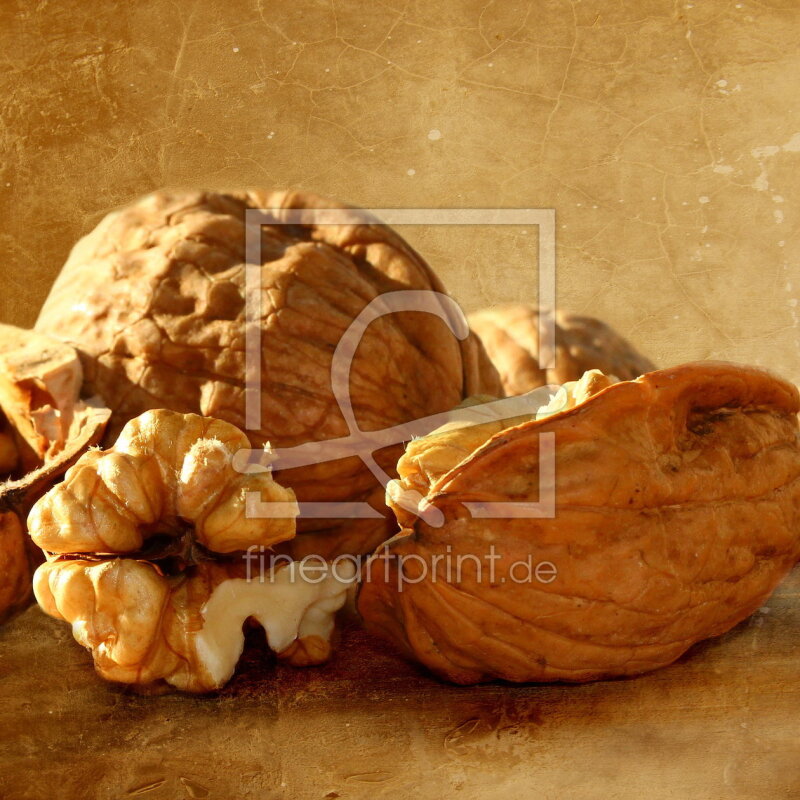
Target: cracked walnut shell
[(510, 334), (154, 300), (428, 458), (144, 547), (676, 513), (44, 427)]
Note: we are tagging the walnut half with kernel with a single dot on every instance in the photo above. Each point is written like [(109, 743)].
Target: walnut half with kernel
[(145, 546)]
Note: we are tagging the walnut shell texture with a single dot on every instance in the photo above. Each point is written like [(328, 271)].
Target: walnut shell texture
[(15, 569), (46, 426), (430, 457), (510, 334), (677, 512), (154, 300), (40, 384)]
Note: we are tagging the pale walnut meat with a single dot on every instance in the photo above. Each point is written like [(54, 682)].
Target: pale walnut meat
[(154, 299), (676, 513), (426, 459), (45, 425), (510, 334), (144, 627), (149, 547), (40, 383), (171, 476)]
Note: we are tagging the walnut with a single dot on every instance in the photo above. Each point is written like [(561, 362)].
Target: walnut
[(154, 300), (510, 334), (15, 566), (9, 454), (428, 458), (44, 427), (676, 513), (145, 542)]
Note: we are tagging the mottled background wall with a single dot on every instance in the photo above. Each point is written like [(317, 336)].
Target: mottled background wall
[(666, 135)]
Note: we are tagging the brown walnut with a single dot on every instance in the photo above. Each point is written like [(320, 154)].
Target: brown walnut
[(676, 513), (44, 427), (510, 334), (154, 300)]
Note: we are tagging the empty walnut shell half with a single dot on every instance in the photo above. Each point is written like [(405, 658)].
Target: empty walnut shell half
[(428, 458), (675, 513), (510, 334), (154, 300), (44, 427), (145, 545)]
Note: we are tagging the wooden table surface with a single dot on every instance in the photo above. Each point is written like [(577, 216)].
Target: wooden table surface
[(721, 723)]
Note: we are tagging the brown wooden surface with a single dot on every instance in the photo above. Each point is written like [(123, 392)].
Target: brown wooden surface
[(723, 722)]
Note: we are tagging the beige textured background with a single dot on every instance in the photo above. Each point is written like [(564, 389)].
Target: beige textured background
[(666, 135)]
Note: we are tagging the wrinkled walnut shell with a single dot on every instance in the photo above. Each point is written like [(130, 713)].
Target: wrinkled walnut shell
[(430, 457), (677, 512), (45, 427), (15, 568), (510, 335), (154, 299)]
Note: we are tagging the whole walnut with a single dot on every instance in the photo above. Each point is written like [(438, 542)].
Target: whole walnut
[(44, 427), (153, 557), (510, 334), (676, 512), (154, 300)]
